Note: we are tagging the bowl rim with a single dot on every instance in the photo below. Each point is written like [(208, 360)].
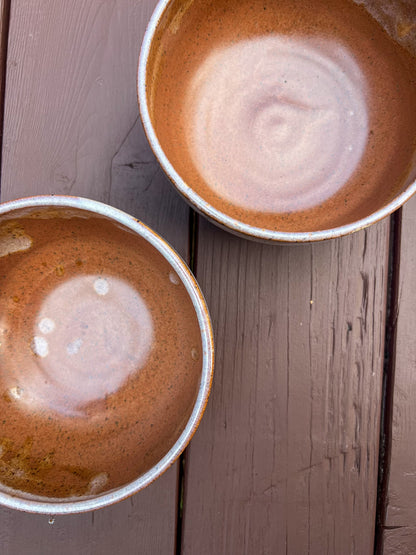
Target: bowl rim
[(217, 216), (72, 505)]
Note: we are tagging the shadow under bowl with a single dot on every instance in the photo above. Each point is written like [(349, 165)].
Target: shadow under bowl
[(106, 354), (283, 121)]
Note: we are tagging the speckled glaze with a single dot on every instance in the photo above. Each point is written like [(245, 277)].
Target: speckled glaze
[(281, 120), (106, 355)]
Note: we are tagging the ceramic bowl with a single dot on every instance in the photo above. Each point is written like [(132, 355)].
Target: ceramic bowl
[(283, 121), (106, 355)]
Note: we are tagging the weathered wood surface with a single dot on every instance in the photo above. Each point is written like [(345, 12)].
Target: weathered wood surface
[(71, 127), (400, 531), (285, 459), (4, 27)]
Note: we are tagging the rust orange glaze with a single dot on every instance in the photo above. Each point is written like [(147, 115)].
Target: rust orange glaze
[(106, 355), (280, 120)]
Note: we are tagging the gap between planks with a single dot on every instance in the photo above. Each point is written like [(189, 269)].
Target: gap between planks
[(386, 419), (4, 40), (193, 255)]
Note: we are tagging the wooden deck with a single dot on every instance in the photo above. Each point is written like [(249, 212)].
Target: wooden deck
[(287, 456)]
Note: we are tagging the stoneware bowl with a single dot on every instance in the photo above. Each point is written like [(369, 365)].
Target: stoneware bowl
[(283, 120), (106, 355)]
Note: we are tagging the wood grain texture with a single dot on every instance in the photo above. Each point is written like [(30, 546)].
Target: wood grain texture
[(71, 93), (4, 33), (72, 127), (285, 459), (139, 525), (400, 531)]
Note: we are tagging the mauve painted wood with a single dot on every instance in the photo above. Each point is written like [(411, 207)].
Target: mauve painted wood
[(4, 28), (286, 457), (71, 127), (400, 525)]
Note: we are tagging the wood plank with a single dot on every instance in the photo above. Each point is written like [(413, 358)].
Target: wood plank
[(4, 33), (285, 459), (71, 127), (400, 525), (129, 527)]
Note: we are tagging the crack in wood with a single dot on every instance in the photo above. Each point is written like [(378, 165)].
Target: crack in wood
[(386, 420), (4, 40)]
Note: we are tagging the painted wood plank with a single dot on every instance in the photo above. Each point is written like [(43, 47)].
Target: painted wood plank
[(71, 127), (400, 525), (4, 28), (285, 459)]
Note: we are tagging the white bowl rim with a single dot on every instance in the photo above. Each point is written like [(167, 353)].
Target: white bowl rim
[(69, 506), (217, 216)]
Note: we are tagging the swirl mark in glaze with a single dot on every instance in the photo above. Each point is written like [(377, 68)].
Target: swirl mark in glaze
[(278, 123), (99, 332)]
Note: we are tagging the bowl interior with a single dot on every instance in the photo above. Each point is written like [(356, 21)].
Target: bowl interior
[(101, 354), (285, 115)]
